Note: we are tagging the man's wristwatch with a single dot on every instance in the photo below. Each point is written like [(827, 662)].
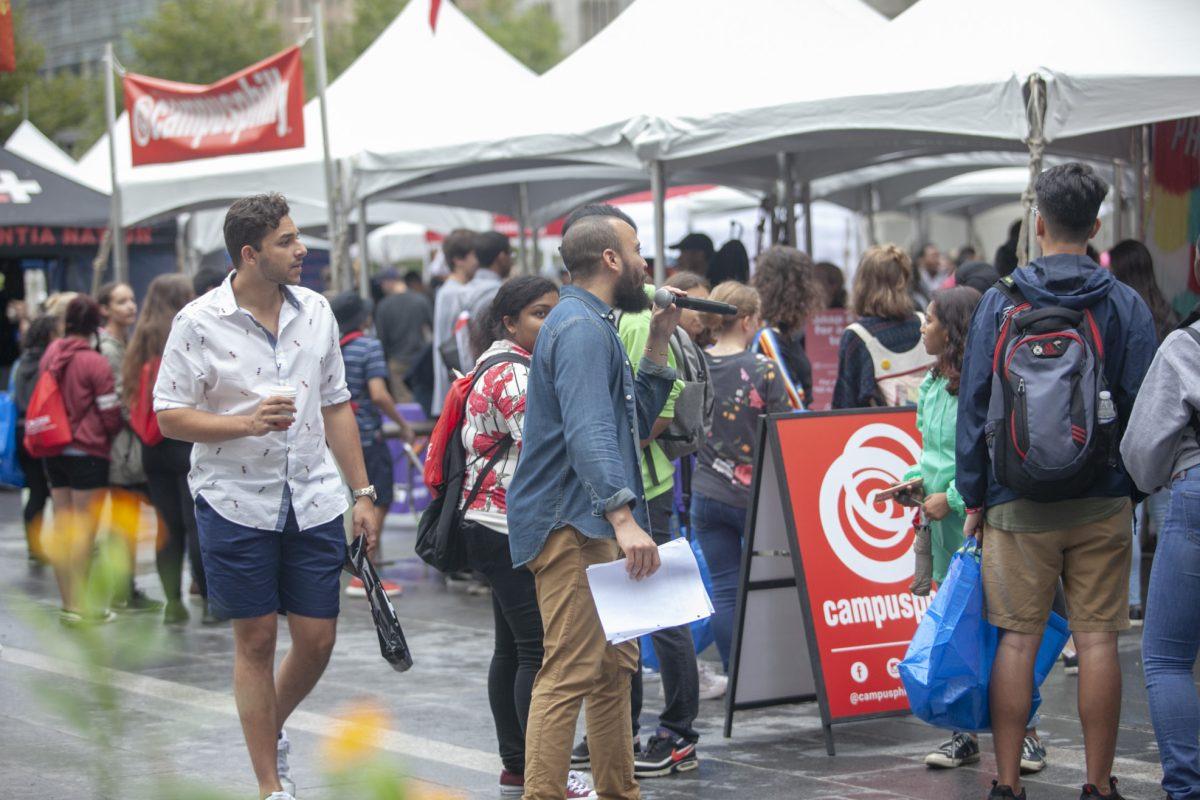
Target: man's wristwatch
[(369, 491)]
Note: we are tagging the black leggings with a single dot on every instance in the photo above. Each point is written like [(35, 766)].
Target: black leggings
[(166, 466), (39, 493), (518, 653)]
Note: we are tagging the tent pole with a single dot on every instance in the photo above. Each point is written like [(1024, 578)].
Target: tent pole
[(181, 226), (658, 191), (787, 192), (806, 199), (364, 259), (120, 255), (1119, 200), (872, 236), (1141, 164), (535, 254), (1035, 114), (522, 225), (331, 198)]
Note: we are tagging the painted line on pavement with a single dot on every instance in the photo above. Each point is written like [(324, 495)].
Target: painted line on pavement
[(416, 748)]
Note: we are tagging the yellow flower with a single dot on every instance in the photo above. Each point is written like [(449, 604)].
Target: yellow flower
[(354, 739)]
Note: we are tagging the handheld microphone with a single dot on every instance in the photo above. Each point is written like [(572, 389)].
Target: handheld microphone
[(664, 298)]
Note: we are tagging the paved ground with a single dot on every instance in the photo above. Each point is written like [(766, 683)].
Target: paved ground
[(177, 721)]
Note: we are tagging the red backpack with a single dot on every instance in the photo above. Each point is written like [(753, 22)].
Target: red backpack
[(142, 418), (438, 541), (47, 427)]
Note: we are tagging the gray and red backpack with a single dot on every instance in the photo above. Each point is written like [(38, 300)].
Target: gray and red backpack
[(1051, 425)]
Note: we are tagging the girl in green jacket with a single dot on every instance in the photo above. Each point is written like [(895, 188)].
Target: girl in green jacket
[(945, 335)]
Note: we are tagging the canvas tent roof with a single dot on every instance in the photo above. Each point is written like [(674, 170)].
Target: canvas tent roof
[(407, 76), (34, 195), (968, 91), (639, 56)]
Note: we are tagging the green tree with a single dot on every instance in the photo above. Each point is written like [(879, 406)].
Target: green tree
[(201, 41), (532, 36)]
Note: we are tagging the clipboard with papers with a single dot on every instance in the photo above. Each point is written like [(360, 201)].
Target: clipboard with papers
[(674, 595)]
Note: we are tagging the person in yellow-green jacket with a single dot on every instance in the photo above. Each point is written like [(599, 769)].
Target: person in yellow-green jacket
[(672, 747), (944, 333)]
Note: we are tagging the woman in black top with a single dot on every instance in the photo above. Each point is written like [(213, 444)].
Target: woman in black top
[(887, 325)]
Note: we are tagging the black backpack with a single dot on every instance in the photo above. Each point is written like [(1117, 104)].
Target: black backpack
[(439, 532), (1052, 422)]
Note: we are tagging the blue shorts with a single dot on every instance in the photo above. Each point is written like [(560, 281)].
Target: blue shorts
[(253, 572)]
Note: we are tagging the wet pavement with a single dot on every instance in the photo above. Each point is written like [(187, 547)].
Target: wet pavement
[(175, 723)]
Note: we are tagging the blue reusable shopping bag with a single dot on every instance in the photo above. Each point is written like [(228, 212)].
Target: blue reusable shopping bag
[(10, 467), (948, 667)]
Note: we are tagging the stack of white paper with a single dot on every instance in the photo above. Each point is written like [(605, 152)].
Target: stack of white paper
[(674, 595)]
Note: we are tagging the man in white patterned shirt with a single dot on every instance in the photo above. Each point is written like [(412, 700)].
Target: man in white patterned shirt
[(252, 373)]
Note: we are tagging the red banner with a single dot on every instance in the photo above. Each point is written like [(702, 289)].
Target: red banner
[(260, 108), (856, 558), (8, 47), (822, 336)]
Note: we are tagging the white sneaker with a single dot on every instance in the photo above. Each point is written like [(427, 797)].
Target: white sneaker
[(282, 748), (280, 796), (577, 787), (712, 683)]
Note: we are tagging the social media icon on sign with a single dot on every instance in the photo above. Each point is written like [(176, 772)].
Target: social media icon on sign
[(859, 672), (893, 667)]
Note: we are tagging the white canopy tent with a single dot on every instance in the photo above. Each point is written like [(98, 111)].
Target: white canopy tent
[(575, 144)]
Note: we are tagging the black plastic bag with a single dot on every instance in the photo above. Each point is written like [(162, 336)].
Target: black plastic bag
[(392, 644)]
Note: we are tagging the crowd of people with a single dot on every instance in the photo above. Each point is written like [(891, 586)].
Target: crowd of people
[(598, 425)]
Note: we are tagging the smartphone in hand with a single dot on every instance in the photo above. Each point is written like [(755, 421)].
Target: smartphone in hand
[(905, 493)]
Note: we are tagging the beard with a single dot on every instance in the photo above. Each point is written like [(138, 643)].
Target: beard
[(630, 293)]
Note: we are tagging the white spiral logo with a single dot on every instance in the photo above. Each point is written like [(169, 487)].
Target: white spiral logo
[(873, 542)]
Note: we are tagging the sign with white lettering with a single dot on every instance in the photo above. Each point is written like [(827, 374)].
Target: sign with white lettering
[(851, 563), (260, 108)]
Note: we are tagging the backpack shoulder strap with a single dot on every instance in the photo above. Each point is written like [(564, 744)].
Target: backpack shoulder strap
[(499, 358), (767, 344), (1009, 288)]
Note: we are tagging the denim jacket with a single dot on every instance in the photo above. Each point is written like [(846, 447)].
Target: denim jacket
[(585, 414)]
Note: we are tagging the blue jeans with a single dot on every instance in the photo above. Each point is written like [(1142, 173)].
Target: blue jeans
[(1172, 637), (1155, 512), (719, 528)]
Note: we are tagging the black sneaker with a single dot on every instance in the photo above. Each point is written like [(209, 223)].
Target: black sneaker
[(959, 749), (665, 754), (1090, 791), (137, 602), (1033, 755), (1136, 616), (1070, 663), (580, 757), (999, 792)]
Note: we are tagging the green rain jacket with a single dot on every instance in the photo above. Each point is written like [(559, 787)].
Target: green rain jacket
[(937, 418)]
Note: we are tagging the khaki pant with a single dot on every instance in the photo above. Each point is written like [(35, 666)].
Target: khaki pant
[(400, 391), (1021, 571), (579, 664)]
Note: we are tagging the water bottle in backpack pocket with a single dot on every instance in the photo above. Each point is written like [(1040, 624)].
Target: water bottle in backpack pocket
[(1051, 424)]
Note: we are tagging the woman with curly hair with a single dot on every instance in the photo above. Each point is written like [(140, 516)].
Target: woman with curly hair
[(790, 291), (880, 359)]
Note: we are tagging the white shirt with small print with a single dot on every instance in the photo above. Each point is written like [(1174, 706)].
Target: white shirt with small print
[(219, 359)]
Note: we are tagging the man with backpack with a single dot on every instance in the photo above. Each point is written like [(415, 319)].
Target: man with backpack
[(1054, 359), (577, 499)]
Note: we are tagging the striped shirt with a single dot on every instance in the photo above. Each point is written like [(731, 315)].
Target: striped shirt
[(364, 360)]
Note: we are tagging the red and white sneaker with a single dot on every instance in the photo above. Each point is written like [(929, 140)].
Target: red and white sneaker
[(356, 588), (512, 784)]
